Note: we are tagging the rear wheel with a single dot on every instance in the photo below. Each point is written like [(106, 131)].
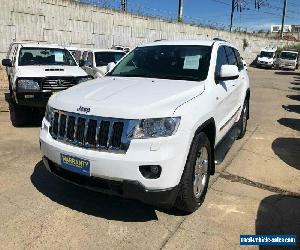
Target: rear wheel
[(242, 123), (195, 177)]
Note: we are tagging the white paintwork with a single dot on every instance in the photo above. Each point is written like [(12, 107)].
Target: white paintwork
[(18, 71), (140, 98)]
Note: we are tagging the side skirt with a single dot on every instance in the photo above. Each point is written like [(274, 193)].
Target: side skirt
[(225, 144)]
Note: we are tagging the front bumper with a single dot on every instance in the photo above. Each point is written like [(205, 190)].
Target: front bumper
[(33, 99), (125, 189), (284, 66), (170, 153), (264, 65)]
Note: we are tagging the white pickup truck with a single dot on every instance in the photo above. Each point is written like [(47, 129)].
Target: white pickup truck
[(35, 71), (152, 128)]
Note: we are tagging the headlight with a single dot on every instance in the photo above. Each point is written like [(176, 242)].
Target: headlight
[(25, 85), (49, 113), (84, 79), (156, 127)]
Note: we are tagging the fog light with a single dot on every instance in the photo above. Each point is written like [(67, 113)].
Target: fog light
[(150, 171)]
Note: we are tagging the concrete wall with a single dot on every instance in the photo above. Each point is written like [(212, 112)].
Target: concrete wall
[(68, 22)]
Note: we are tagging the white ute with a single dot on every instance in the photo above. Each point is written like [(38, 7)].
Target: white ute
[(35, 71), (152, 128)]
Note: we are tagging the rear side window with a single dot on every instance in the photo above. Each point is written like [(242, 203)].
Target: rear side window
[(221, 60), (231, 56), (239, 60)]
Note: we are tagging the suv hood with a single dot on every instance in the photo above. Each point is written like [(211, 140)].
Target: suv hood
[(44, 71), (131, 98)]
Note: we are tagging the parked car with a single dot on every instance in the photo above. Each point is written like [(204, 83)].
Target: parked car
[(267, 58), (35, 71), (96, 60), (288, 60), (153, 127)]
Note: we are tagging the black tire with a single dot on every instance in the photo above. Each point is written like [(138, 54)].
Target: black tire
[(243, 121), (186, 200), (18, 114)]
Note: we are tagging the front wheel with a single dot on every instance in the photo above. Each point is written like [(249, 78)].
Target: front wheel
[(17, 114), (195, 177)]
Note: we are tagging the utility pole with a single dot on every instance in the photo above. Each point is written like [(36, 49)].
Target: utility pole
[(283, 18), (180, 10), (124, 5), (232, 11)]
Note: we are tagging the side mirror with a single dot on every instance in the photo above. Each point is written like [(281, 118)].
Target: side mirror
[(228, 72), (81, 63), (110, 66), (7, 63)]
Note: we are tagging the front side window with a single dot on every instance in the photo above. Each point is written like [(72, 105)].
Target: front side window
[(231, 56), (90, 60), (221, 60), (104, 58), (239, 60), (45, 56), (178, 62)]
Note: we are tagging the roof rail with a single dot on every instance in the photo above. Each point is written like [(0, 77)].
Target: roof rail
[(219, 39), (158, 40)]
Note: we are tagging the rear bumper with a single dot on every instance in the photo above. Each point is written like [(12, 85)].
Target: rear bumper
[(126, 189)]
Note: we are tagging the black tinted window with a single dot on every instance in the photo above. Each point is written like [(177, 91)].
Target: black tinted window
[(45, 56), (221, 60), (231, 56), (178, 62)]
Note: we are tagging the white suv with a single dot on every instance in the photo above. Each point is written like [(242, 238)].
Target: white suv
[(35, 71), (150, 129)]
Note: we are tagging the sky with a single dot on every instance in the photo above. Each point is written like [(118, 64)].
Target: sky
[(216, 12)]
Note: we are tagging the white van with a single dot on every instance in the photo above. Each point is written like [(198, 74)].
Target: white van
[(35, 71), (97, 60), (288, 60), (267, 58)]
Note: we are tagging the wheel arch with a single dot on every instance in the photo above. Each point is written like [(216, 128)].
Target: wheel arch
[(209, 128)]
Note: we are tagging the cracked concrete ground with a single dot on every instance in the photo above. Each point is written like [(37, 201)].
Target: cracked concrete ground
[(256, 190)]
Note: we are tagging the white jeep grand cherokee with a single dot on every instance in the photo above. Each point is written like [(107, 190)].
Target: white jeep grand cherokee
[(150, 129)]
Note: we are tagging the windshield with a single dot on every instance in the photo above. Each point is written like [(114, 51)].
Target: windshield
[(104, 58), (178, 62), (266, 54), (289, 55), (45, 56)]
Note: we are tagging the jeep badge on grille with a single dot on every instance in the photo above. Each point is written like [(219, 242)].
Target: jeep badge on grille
[(83, 109)]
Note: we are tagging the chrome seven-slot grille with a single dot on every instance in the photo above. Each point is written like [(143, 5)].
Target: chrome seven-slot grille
[(99, 133)]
